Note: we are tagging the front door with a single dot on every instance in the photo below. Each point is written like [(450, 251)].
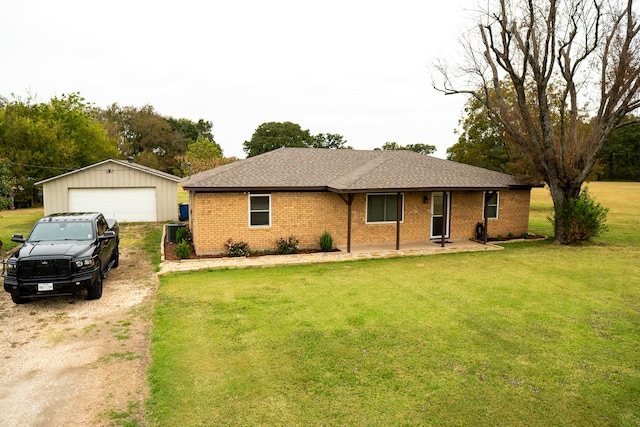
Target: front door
[(437, 214)]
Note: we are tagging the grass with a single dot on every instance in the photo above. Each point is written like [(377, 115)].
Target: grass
[(126, 418), (537, 334), (144, 237), (18, 221)]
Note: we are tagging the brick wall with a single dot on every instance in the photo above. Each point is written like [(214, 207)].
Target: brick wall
[(216, 217), (467, 207)]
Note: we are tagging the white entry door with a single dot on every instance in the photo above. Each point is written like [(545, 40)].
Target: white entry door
[(437, 214)]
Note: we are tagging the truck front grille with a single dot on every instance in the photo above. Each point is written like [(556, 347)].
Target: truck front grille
[(44, 269)]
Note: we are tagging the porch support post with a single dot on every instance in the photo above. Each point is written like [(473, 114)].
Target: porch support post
[(487, 196), (349, 204), (444, 218), (398, 214), (349, 201)]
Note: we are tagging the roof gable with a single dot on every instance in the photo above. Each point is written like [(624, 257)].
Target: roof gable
[(346, 171), (114, 162)]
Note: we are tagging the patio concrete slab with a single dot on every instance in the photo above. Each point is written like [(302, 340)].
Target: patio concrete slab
[(358, 252)]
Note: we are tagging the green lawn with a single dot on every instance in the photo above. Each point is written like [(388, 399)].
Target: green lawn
[(537, 334), (18, 221)]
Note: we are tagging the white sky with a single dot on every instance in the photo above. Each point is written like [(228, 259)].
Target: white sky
[(358, 68)]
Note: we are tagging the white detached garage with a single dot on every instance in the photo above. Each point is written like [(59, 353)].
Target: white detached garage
[(119, 189)]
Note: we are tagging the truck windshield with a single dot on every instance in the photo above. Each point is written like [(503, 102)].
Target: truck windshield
[(53, 231)]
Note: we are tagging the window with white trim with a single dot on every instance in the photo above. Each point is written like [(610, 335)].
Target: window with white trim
[(491, 199), (384, 208), (259, 210)]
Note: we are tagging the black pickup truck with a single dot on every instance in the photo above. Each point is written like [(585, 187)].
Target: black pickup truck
[(64, 254)]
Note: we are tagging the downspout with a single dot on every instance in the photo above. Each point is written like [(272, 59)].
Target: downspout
[(398, 213)]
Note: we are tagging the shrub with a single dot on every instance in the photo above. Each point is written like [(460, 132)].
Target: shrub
[(183, 249), (326, 241), (182, 235), (238, 249), (287, 246), (584, 218)]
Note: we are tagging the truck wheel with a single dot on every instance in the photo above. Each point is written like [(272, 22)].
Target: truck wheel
[(95, 291), (18, 299)]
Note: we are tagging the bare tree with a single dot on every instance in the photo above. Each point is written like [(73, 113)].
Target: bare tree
[(565, 60)]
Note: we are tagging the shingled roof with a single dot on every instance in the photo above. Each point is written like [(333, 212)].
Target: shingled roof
[(347, 171)]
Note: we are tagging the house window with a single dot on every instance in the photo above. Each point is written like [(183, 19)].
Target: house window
[(491, 203), (259, 210), (384, 207)]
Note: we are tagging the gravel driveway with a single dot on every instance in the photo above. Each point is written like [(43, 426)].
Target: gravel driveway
[(69, 362)]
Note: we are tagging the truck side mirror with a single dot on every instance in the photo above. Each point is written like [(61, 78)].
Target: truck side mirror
[(109, 234), (18, 238)]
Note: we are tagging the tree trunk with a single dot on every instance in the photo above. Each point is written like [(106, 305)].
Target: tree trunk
[(561, 196)]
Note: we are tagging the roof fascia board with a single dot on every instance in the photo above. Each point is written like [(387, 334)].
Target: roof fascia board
[(122, 163), (254, 189), (414, 189), (72, 172)]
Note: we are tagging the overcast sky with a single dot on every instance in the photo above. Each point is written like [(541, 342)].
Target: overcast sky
[(361, 69)]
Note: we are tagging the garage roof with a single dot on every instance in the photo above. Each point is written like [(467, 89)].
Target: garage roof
[(120, 163)]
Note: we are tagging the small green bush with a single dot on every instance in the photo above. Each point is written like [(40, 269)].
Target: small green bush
[(584, 218), (238, 249), (182, 235), (326, 241), (287, 246), (183, 249)]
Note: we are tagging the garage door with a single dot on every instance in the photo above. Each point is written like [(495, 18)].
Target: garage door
[(123, 204)]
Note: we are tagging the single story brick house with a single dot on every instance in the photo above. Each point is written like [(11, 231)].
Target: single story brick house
[(359, 196)]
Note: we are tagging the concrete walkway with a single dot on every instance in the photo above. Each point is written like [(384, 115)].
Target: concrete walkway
[(357, 253)]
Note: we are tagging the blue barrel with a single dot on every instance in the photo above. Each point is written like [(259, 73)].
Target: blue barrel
[(183, 212)]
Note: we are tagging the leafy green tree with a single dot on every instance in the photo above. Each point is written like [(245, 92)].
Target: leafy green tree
[(7, 183), (150, 138), (192, 130), (45, 139), (418, 148), (203, 155), (480, 142), (82, 131), (329, 140), (620, 159), (273, 135)]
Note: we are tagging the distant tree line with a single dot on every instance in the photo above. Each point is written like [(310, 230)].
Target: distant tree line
[(481, 142), (273, 135), (40, 140)]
